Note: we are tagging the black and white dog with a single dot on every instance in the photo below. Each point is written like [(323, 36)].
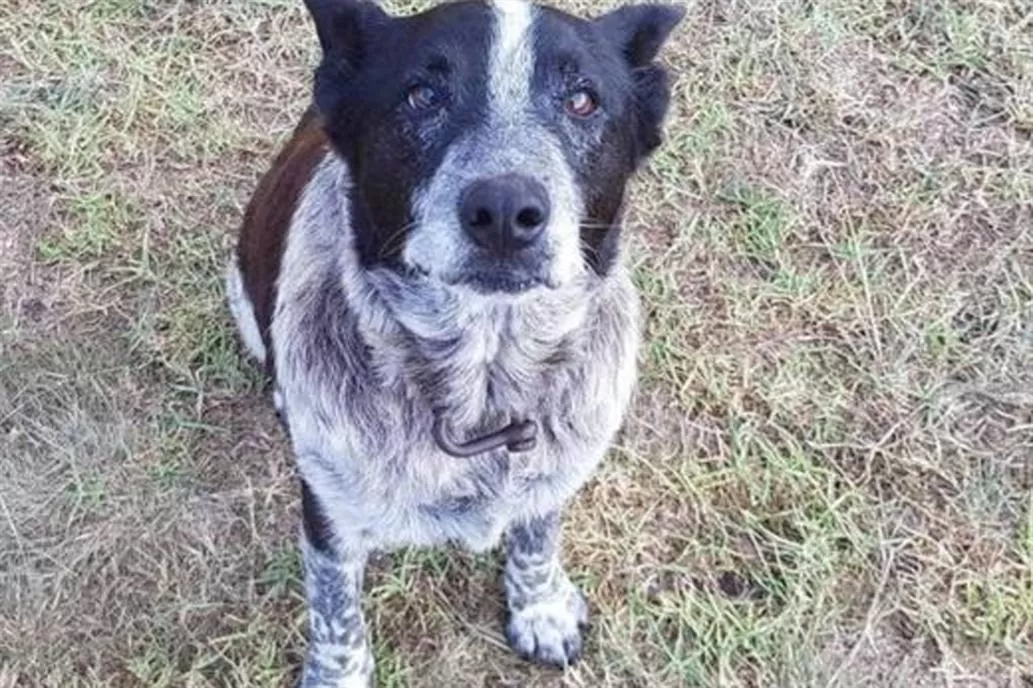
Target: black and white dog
[(431, 272)]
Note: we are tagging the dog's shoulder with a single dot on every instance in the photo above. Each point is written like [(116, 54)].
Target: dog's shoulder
[(267, 219)]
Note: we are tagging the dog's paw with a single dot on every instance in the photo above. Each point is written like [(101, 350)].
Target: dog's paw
[(334, 668), (550, 631)]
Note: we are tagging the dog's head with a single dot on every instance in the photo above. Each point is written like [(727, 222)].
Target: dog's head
[(490, 142)]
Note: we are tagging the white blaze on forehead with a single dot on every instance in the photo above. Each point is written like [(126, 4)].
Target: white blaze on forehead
[(512, 59)]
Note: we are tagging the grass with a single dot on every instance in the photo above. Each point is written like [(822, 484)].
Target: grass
[(827, 478)]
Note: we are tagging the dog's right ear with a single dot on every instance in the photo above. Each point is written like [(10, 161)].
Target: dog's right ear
[(347, 31), (344, 28)]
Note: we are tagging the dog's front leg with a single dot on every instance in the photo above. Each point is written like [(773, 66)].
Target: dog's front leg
[(339, 654), (547, 613)]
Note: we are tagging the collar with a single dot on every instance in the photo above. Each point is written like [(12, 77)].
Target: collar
[(517, 437)]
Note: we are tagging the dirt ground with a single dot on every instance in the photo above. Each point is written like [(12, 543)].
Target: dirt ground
[(828, 476)]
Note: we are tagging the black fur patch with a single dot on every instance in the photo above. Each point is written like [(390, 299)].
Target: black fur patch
[(317, 527), (391, 147)]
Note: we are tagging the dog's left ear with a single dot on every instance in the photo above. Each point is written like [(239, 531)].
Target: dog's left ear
[(639, 32)]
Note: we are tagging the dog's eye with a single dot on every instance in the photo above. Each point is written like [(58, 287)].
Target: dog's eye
[(582, 103), (422, 97)]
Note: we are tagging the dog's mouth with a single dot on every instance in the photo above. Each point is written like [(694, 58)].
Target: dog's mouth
[(487, 281), (502, 283)]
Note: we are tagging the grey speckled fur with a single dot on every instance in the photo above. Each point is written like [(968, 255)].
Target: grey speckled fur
[(364, 361)]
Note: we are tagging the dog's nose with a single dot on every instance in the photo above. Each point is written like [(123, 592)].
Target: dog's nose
[(505, 213)]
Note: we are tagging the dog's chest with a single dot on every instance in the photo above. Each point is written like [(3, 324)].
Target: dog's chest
[(477, 498), (362, 421), (472, 499), (377, 467)]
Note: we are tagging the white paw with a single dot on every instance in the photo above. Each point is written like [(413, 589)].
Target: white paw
[(352, 681), (332, 668), (550, 630)]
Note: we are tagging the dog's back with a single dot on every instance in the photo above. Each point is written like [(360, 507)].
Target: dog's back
[(267, 220)]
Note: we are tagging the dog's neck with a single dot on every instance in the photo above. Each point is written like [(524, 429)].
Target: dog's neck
[(478, 360)]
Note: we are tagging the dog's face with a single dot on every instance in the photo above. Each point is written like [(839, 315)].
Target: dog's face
[(490, 142)]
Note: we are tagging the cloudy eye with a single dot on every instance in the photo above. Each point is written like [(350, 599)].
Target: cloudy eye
[(422, 97), (582, 103)]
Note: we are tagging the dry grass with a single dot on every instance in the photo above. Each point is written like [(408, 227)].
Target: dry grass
[(828, 480)]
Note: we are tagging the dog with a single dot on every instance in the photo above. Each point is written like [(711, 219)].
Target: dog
[(431, 273)]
